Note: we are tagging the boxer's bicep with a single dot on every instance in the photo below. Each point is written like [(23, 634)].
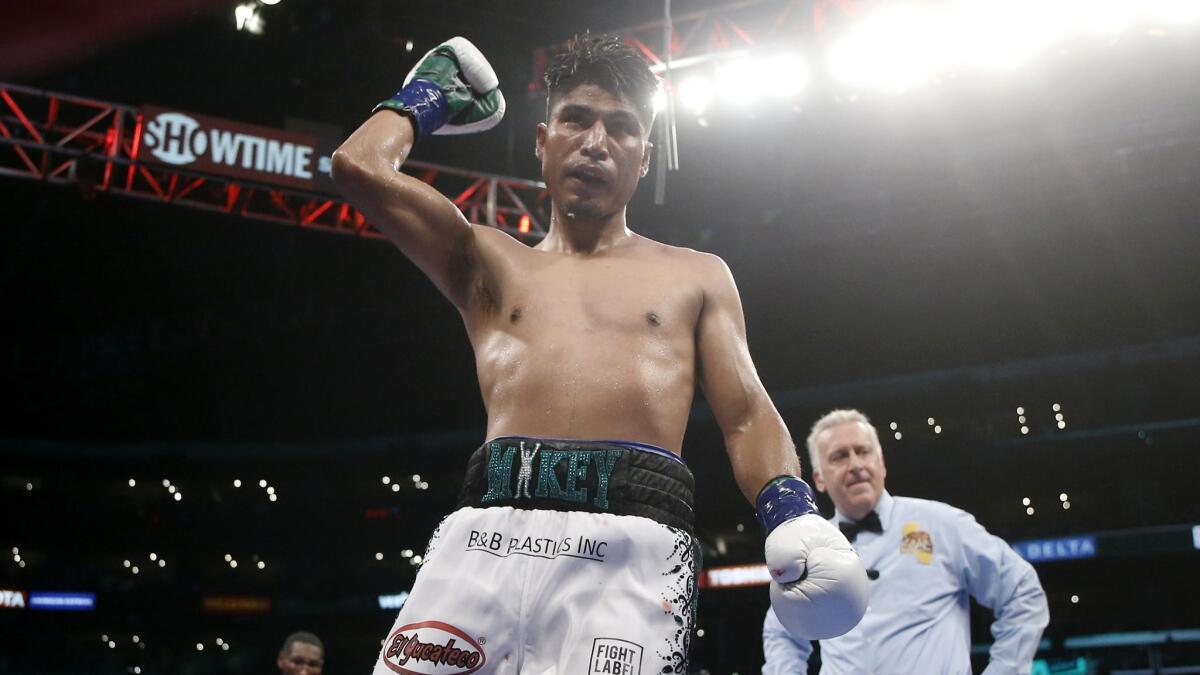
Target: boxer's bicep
[(756, 438), (727, 374), (426, 226)]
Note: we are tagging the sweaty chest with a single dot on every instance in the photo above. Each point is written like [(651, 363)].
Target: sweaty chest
[(602, 297)]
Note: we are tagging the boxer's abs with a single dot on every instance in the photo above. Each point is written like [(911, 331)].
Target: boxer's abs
[(618, 381)]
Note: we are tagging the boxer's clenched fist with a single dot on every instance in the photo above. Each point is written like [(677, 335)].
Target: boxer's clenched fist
[(818, 584), (451, 90)]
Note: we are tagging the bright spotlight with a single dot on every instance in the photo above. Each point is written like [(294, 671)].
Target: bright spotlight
[(695, 93), (1003, 34), (1175, 10), (792, 75), (895, 48), (1107, 18), (246, 18), (743, 80)]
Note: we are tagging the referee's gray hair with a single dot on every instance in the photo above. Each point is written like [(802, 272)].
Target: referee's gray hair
[(832, 419)]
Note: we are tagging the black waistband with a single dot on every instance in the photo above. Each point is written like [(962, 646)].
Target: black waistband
[(570, 475)]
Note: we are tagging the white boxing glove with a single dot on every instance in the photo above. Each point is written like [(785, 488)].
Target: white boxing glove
[(819, 586)]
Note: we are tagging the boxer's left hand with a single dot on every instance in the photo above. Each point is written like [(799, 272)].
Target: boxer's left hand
[(819, 587)]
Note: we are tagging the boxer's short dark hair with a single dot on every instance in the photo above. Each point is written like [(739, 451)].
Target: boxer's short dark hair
[(607, 62)]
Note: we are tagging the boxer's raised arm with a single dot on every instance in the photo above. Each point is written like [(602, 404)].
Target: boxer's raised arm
[(423, 223), (759, 445), (451, 90)]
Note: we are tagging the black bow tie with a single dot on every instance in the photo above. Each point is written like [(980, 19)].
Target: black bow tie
[(870, 523)]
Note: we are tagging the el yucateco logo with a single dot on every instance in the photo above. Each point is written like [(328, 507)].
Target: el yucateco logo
[(432, 648), (176, 138)]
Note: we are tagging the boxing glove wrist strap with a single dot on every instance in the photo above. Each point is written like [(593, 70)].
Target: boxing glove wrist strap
[(781, 499), (423, 102)]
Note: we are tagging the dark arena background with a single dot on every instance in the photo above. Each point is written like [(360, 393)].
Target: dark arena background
[(233, 411)]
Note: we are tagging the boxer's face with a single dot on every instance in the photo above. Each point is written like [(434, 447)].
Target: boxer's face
[(594, 148), (852, 468), (302, 659)]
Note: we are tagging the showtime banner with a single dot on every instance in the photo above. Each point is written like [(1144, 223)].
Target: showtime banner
[(227, 148)]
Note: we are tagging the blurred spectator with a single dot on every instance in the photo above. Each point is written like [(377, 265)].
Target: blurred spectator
[(303, 654)]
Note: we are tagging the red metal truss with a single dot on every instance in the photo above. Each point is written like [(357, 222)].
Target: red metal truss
[(699, 36), (62, 138)]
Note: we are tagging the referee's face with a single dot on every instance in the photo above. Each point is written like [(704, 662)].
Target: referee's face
[(852, 468)]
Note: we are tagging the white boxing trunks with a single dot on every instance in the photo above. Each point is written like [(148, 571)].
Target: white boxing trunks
[(564, 557)]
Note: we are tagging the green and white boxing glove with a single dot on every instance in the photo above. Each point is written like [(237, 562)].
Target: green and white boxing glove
[(451, 90)]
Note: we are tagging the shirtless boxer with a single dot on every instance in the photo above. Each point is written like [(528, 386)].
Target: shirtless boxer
[(588, 349)]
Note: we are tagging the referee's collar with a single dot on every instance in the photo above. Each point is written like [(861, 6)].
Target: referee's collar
[(883, 508)]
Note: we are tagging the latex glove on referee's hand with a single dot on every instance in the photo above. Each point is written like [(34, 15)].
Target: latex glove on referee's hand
[(451, 90), (819, 586)]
